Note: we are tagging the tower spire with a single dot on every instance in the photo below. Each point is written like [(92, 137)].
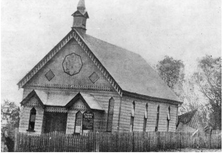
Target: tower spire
[(81, 5), (80, 17)]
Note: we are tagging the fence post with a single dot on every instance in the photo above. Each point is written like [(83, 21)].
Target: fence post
[(97, 141), (16, 140), (210, 138), (133, 143)]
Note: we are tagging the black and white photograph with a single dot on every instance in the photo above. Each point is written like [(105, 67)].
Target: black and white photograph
[(111, 76)]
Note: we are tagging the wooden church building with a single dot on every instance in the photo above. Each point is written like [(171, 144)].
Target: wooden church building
[(85, 84)]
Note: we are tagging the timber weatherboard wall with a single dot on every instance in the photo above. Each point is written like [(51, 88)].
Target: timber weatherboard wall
[(24, 119), (102, 98), (100, 118), (140, 107)]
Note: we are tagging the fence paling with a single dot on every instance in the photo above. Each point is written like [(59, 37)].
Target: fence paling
[(117, 141)]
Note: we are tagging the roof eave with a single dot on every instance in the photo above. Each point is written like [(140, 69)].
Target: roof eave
[(44, 60), (145, 97)]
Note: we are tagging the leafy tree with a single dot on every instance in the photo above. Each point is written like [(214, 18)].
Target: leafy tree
[(208, 78), (172, 72), (10, 117)]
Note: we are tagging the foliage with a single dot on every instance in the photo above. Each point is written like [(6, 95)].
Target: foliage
[(10, 117), (172, 72), (208, 79)]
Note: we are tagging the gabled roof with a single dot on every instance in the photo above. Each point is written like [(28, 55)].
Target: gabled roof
[(30, 95), (54, 99), (81, 13), (62, 99), (125, 70), (88, 99), (186, 117), (129, 70)]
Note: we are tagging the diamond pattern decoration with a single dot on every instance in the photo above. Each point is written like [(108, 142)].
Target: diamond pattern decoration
[(49, 75), (93, 77)]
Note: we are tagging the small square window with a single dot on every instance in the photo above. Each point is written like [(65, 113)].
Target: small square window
[(49, 75), (93, 77)]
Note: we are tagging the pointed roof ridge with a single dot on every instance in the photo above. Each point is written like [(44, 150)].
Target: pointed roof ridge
[(81, 5), (89, 99)]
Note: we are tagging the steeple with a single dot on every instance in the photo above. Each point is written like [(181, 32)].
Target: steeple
[(80, 17), (81, 5)]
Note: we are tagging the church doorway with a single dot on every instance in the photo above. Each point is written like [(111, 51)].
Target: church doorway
[(55, 122)]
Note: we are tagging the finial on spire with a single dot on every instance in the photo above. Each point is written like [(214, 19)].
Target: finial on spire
[(81, 5)]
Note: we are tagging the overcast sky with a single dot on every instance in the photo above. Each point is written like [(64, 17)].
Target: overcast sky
[(183, 29)]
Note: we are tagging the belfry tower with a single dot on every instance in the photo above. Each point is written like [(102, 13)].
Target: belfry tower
[(80, 16)]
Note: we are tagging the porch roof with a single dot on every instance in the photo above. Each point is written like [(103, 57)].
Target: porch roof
[(91, 101), (62, 99)]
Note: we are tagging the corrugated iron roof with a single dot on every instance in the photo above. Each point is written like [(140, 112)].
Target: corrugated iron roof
[(129, 69), (91, 101), (62, 99), (54, 99)]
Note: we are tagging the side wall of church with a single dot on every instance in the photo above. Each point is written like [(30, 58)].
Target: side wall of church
[(25, 116), (140, 108)]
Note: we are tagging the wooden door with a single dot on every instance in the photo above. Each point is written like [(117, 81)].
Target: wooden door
[(55, 122)]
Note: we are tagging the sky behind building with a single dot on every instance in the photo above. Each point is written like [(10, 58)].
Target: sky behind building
[(186, 30)]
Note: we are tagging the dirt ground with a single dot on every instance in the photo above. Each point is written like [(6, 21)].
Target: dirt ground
[(195, 150)]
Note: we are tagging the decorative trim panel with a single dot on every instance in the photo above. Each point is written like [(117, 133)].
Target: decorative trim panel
[(91, 87), (56, 109), (94, 77), (72, 64), (49, 75)]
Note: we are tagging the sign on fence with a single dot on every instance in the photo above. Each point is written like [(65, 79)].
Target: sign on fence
[(88, 120)]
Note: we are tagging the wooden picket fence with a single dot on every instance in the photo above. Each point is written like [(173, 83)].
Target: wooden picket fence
[(114, 142)]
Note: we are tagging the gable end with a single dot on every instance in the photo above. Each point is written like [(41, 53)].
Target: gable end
[(72, 34)]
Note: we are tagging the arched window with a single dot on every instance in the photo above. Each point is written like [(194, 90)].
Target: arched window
[(157, 118), (32, 119), (145, 118), (168, 118), (132, 116), (110, 115), (78, 123)]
